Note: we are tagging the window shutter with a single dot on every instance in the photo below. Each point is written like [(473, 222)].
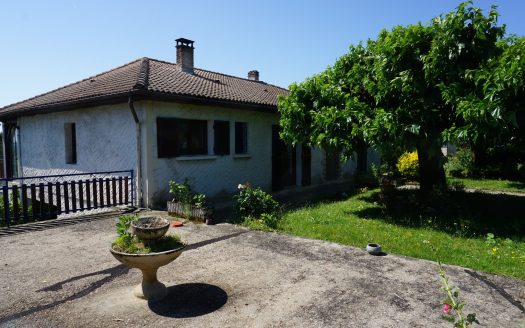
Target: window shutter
[(241, 137), (221, 137)]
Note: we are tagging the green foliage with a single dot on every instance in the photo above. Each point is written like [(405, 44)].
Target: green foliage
[(254, 203), (408, 165), (452, 305), (270, 220), (416, 87), (500, 248), (127, 242), (488, 184), (182, 193), (12, 210), (130, 244), (124, 225), (199, 200), (520, 169), (461, 164), (323, 109)]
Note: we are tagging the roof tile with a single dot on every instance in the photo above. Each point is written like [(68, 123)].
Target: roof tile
[(154, 76)]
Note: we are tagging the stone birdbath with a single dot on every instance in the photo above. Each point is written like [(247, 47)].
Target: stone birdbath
[(149, 229)]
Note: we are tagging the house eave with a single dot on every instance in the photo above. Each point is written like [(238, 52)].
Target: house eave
[(137, 95)]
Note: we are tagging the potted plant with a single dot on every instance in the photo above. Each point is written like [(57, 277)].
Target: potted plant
[(187, 204)]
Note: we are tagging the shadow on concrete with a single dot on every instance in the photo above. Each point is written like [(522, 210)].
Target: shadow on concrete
[(213, 240), (113, 272), (498, 289), (190, 300)]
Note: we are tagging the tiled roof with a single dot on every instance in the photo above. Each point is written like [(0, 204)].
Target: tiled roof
[(152, 78)]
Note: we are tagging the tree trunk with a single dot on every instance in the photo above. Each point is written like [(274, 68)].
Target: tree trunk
[(479, 156), (431, 172), (362, 160)]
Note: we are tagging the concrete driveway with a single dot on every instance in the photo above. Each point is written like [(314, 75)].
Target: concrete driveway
[(233, 277)]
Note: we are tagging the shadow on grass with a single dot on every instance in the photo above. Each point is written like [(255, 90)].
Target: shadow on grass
[(517, 185), (190, 300), (456, 212)]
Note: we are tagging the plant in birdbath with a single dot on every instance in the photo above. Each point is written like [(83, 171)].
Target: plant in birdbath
[(127, 240)]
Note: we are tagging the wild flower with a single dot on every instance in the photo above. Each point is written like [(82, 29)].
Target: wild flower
[(452, 306), (446, 309)]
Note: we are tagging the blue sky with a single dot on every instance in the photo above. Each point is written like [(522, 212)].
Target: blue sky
[(48, 44)]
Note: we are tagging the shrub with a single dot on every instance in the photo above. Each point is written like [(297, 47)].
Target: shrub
[(182, 193), (270, 220), (408, 165), (12, 210), (520, 168), (461, 164), (253, 203)]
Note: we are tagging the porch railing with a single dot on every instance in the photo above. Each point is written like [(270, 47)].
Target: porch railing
[(45, 197)]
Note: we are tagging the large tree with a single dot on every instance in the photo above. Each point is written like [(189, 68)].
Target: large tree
[(324, 110), (400, 90)]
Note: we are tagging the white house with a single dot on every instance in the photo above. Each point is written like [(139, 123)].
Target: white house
[(165, 121)]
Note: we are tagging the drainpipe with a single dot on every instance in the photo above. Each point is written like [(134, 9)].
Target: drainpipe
[(4, 149), (139, 150), (18, 145)]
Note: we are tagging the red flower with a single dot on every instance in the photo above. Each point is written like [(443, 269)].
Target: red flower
[(446, 309)]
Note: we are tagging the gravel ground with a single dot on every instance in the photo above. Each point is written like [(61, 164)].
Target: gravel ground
[(233, 277)]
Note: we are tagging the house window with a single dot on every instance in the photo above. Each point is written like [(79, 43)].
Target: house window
[(221, 136), (176, 137), (70, 137), (241, 137)]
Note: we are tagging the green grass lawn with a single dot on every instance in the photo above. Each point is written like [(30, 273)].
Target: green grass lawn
[(501, 185), (456, 223)]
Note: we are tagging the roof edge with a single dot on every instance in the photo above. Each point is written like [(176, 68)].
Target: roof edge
[(138, 94)]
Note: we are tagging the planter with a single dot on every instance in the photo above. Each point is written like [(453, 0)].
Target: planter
[(373, 249), (190, 211), (150, 289), (148, 228)]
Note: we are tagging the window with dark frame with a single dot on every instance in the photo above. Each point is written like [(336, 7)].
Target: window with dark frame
[(221, 137), (241, 138), (178, 137), (70, 141)]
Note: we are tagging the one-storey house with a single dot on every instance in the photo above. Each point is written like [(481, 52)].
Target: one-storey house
[(164, 121)]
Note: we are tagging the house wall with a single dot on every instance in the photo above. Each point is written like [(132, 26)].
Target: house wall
[(215, 176), (105, 141)]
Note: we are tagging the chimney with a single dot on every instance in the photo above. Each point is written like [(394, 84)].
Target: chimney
[(185, 55), (253, 75)]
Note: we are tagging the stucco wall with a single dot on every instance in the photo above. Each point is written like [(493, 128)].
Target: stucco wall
[(215, 176), (105, 138), (106, 141)]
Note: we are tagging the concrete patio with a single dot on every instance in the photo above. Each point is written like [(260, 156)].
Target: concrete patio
[(233, 277)]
